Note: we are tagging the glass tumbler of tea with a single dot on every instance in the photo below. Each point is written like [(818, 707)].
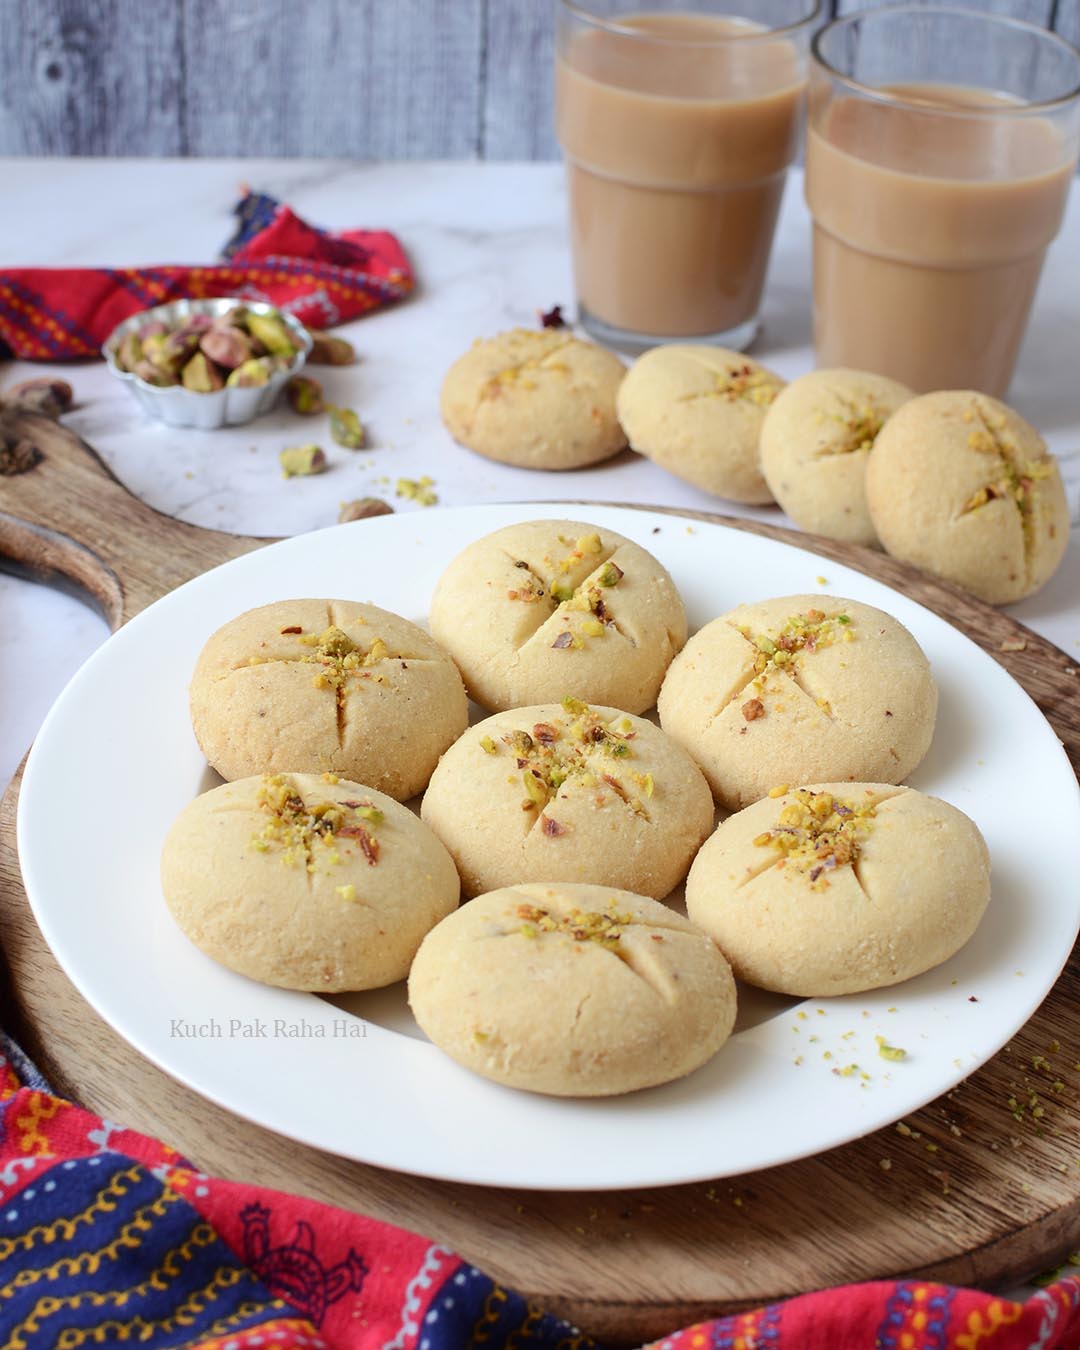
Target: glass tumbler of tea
[(677, 125), (941, 143)]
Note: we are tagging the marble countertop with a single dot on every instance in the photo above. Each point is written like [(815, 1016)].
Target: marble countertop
[(489, 245)]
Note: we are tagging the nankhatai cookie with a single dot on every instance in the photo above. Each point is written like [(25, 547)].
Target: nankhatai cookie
[(800, 689), (961, 485), (572, 990), (306, 882), (569, 792), (815, 441), (698, 412), (540, 399), (312, 686), (840, 888), (553, 607)]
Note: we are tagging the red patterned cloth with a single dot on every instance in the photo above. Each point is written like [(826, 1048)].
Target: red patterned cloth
[(108, 1237), (66, 313)]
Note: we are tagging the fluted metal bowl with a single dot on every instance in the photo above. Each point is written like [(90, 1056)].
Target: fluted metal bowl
[(231, 406)]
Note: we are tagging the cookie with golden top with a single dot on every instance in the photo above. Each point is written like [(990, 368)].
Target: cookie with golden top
[(540, 399), (553, 607), (315, 686), (962, 486), (840, 888), (698, 412), (572, 990), (569, 792), (815, 441), (306, 882), (800, 688)]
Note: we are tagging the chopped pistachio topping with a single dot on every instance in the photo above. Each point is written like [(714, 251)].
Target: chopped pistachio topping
[(488, 746), (859, 423), (587, 600), (604, 928), (338, 656), (309, 833), (747, 382), (1016, 482), (347, 892), (817, 833), (801, 635), (577, 750), (887, 1051), (533, 351), (1016, 476), (419, 490), (551, 580)]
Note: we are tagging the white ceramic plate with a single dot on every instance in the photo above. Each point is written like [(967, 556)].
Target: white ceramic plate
[(116, 760)]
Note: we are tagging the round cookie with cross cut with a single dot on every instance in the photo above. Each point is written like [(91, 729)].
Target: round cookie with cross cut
[(553, 607), (815, 442), (569, 792), (313, 686), (697, 412), (840, 887), (961, 485), (306, 882), (800, 689), (540, 399), (572, 990)]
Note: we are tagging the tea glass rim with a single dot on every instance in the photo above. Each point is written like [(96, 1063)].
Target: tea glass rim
[(577, 8), (1002, 21)]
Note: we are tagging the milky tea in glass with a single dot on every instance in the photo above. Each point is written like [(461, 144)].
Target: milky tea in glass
[(940, 149), (677, 127)]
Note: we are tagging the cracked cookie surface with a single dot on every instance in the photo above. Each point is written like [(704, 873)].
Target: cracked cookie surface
[(959, 484), (306, 882), (572, 990), (797, 689), (327, 686), (698, 411), (552, 607), (569, 792), (540, 399), (815, 441), (840, 887)]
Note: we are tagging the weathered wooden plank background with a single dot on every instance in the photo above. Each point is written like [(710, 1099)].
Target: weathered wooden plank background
[(378, 79)]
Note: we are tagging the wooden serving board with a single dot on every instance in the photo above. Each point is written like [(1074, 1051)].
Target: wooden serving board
[(974, 1196)]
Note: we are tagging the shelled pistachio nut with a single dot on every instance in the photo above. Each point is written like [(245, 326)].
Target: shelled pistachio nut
[(300, 461), (346, 428), (201, 375), (305, 395)]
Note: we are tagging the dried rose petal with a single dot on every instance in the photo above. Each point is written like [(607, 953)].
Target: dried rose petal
[(551, 318)]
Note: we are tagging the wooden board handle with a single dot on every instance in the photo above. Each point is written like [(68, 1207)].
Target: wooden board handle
[(70, 522)]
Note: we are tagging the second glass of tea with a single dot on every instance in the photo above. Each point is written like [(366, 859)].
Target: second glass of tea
[(678, 126), (941, 147)]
